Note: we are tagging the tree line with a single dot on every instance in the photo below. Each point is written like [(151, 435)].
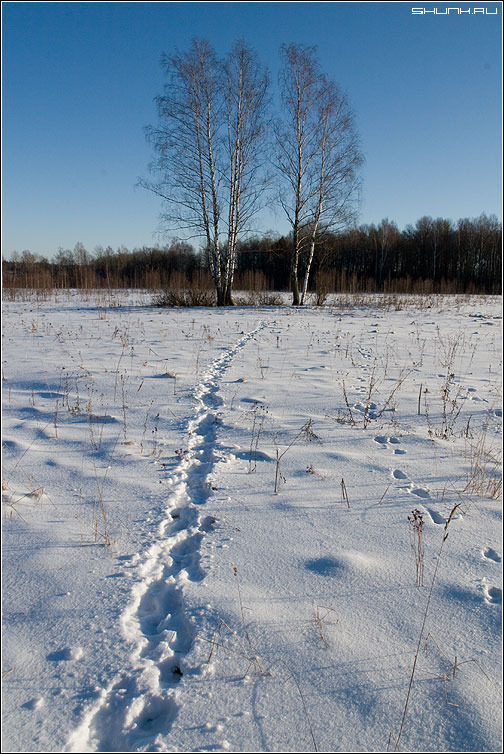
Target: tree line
[(432, 255)]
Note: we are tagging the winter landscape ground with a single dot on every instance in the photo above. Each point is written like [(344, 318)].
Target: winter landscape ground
[(251, 529)]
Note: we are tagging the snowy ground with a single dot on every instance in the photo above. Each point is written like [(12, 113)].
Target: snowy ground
[(159, 595)]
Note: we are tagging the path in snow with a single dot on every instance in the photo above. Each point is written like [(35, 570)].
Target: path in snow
[(136, 710)]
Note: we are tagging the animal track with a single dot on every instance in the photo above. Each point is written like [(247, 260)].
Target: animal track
[(439, 518), (493, 595), (436, 517), (491, 554), (368, 409), (385, 441), (139, 707), (419, 492), (156, 715)]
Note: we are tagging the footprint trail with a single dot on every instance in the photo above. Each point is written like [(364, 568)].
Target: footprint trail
[(136, 710)]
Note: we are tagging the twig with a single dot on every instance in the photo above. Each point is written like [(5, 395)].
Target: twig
[(344, 494)]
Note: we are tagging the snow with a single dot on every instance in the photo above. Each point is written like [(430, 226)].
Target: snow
[(159, 595)]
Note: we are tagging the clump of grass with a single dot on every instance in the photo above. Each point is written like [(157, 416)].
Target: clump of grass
[(35, 494), (172, 297), (450, 406), (347, 404), (310, 469), (485, 468), (259, 298), (318, 620)]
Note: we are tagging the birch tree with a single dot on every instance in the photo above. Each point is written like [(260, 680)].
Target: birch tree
[(317, 158), (207, 157), (246, 87)]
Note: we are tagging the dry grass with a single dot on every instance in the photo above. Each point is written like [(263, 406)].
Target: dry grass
[(485, 468), (319, 620)]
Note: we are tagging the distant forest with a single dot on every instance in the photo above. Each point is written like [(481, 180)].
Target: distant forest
[(432, 256)]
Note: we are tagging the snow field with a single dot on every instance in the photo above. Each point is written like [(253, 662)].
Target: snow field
[(159, 595)]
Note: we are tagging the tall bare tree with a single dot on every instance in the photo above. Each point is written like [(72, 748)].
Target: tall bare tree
[(246, 87), (317, 157), (185, 145), (207, 150), (335, 169)]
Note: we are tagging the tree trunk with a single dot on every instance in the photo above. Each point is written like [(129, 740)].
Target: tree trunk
[(294, 280), (308, 268)]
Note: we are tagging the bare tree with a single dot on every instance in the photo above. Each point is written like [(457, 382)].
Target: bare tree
[(317, 157), (246, 86), (335, 164), (207, 155), (185, 145)]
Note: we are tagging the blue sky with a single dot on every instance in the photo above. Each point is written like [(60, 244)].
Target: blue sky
[(79, 80)]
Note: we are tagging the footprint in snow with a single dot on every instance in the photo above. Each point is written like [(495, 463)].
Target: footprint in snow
[(365, 408), (67, 653), (254, 455), (436, 517), (384, 441), (157, 714), (419, 492), (493, 595), (207, 524), (398, 474), (33, 704), (491, 554), (380, 439), (104, 419), (325, 566)]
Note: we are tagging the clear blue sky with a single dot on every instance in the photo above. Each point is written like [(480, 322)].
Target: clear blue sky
[(79, 80)]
